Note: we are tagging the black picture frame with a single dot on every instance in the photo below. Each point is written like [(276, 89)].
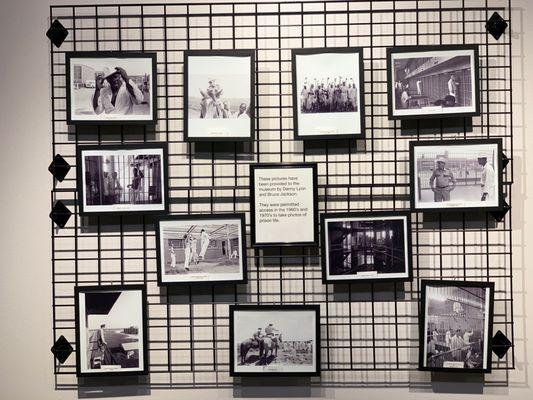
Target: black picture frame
[(432, 48), (224, 53), (215, 217), (455, 142), (112, 288), (370, 214), (422, 323), (314, 168), (69, 56), (233, 309), (139, 146), (361, 93)]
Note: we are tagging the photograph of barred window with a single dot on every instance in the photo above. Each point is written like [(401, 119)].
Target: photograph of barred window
[(111, 87), (122, 179), (366, 247), (111, 330), (456, 326), (456, 174), (201, 248), (432, 81)]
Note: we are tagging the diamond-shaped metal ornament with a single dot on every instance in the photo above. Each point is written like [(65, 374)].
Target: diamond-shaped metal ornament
[(499, 215), (59, 168), (500, 344), (496, 25), (505, 160), (60, 214), (62, 349), (57, 33)]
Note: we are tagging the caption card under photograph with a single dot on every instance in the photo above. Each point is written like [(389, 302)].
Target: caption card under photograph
[(327, 85), (366, 247), (111, 331), (201, 249), (432, 81), (456, 326), (122, 179), (274, 340), (456, 174), (111, 88), (284, 205), (219, 95)]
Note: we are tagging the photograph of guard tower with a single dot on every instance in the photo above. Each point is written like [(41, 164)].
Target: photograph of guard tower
[(110, 323), (366, 247), (122, 179), (455, 174), (456, 323), (201, 248), (430, 81)]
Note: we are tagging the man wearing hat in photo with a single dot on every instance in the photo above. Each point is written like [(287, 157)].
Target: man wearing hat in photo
[(118, 96), (487, 179), (442, 181)]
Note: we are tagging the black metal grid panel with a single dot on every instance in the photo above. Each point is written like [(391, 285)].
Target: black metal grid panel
[(369, 332)]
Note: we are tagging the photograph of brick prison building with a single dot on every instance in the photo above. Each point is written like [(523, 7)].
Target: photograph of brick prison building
[(366, 246), (433, 81), (455, 326)]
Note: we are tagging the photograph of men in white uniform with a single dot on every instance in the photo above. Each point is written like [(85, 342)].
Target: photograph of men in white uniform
[(191, 250)]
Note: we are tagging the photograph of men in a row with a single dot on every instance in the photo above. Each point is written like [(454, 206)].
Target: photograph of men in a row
[(201, 248), (456, 325), (456, 175), (274, 340)]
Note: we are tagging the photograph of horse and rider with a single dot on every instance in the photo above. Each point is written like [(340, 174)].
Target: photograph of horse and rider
[(275, 341), (218, 96)]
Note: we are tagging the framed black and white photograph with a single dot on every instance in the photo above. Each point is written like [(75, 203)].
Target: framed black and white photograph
[(433, 81), (105, 87), (111, 332), (284, 204), (274, 340), (366, 247), (122, 179), (219, 95), (327, 92), (456, 175), (203, 248), (456, 326)]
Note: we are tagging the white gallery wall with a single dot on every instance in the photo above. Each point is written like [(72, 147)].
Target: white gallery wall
[(26, 364)]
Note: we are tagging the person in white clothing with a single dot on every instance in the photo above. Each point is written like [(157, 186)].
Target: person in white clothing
[(194, 252), (204, 243), (172, 258), (452, 87), (243, 111), (188, 251), (487, 179), (119, 96)]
